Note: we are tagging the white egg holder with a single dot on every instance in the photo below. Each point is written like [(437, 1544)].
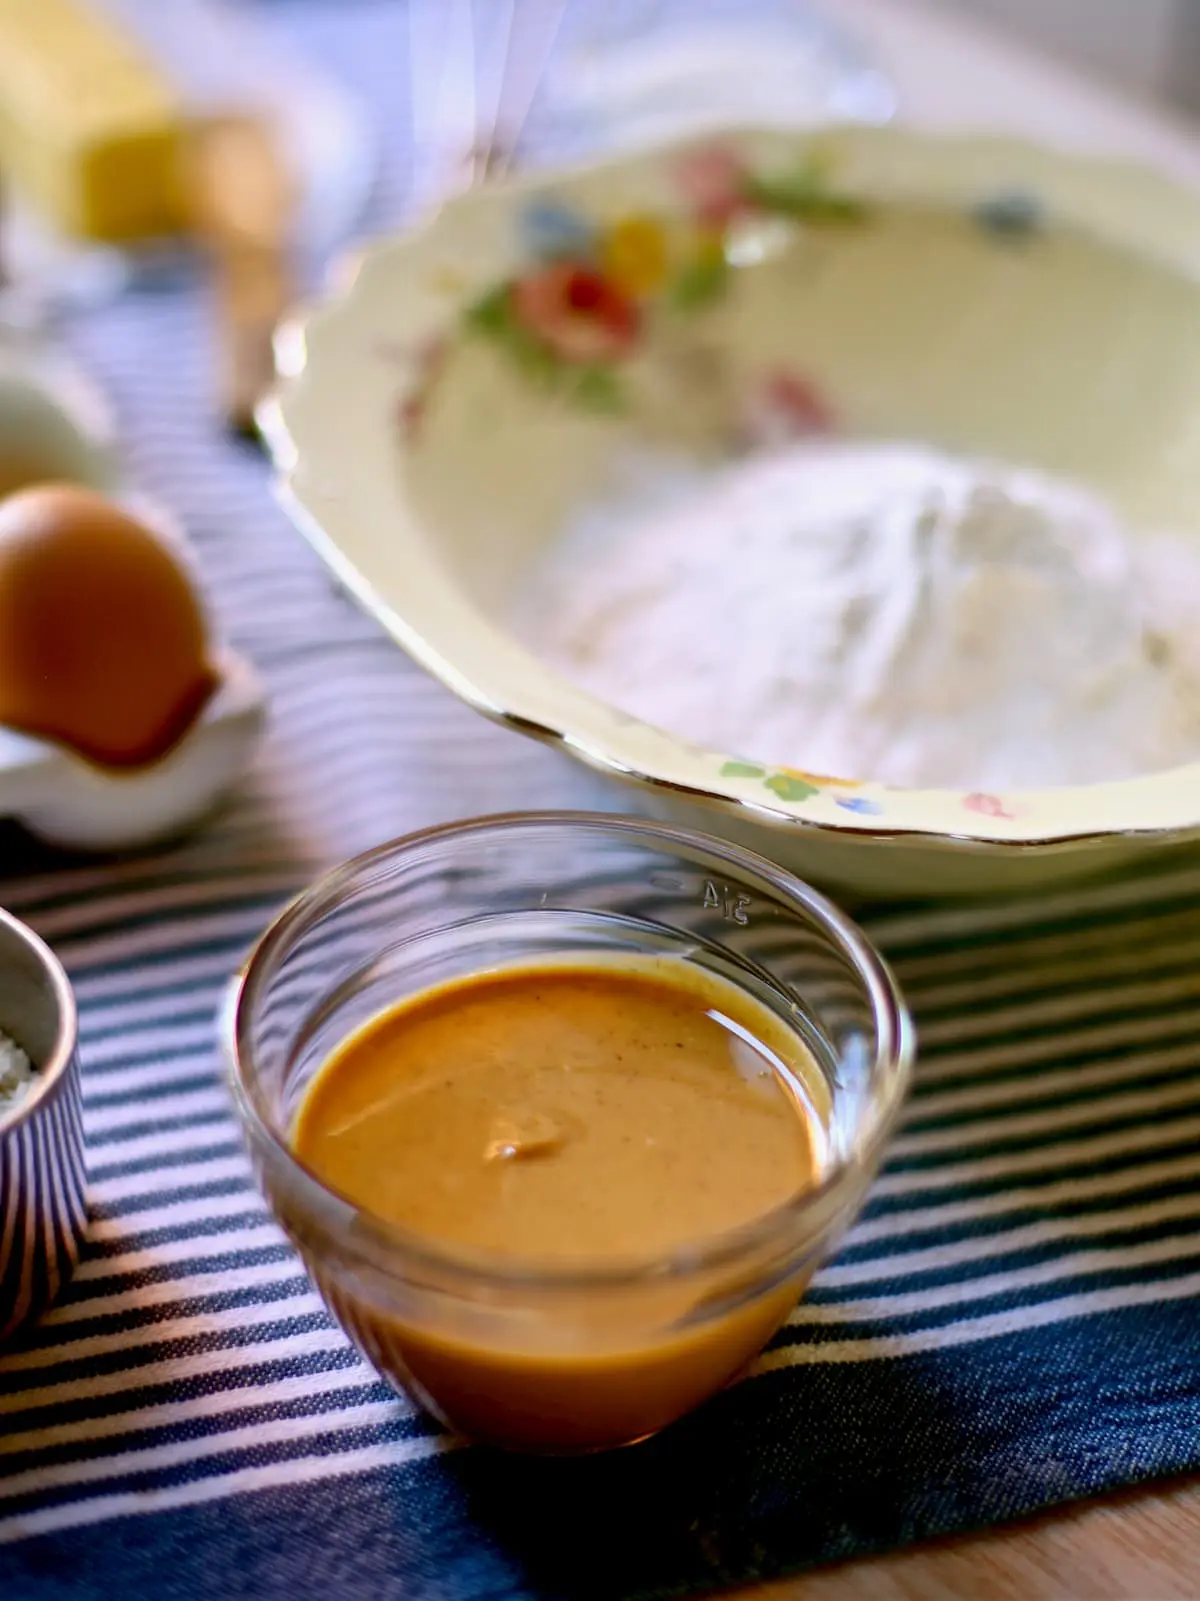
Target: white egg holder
[(49, 408), (68, 801)]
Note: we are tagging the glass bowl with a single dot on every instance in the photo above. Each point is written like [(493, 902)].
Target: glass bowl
[(562, 1356)]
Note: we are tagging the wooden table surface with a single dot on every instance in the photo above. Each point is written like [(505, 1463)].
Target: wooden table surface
[(1138, 1547), (1145, 1546)]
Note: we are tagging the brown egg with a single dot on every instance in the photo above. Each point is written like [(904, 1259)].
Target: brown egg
[(102, 637)]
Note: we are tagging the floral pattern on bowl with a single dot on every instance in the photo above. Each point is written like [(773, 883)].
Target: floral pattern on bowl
[(912, 264), (582, 306), (584, 303)]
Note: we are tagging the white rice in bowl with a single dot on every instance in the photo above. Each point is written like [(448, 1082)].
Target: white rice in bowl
[(16, 1074)]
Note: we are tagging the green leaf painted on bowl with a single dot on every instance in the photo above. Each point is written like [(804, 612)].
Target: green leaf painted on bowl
[(789, 788), (805, 199), (600, 390), (536, 360), (701, 282), (742, 770), (491, 313)]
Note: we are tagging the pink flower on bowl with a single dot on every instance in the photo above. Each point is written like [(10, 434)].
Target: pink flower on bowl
[(410, 413), (786, 406), (988, 806), (426, 361), (577, 312), (713, 181)]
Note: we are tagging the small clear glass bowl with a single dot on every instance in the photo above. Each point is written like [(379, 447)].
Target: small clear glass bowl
[(552, 1356)]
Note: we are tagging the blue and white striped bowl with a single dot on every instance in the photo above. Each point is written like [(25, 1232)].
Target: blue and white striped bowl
[(43, 1170)]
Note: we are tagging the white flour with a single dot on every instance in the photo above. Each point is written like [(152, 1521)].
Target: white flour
[(881, 611), (16, 1073)]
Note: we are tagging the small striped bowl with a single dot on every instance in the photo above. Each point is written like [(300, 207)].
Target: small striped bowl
[(43, 1176)]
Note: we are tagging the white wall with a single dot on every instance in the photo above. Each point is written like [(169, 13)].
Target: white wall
[(1130, 40)]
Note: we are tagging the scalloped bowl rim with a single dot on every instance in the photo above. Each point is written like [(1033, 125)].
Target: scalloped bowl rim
[(948, 825)]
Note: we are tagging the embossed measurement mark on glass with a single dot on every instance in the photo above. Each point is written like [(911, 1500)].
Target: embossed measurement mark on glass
[(732, 907)]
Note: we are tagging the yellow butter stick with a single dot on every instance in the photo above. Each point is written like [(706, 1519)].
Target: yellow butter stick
[(91, 130)]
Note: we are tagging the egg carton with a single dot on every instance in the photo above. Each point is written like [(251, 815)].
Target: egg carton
[(51, 413)]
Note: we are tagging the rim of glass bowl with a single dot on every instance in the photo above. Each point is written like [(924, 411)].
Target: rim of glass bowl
[(893, 1058)]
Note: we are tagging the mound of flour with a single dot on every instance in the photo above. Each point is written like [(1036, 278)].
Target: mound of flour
[(880, 611)]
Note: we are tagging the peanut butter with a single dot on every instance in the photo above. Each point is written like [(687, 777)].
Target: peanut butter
[(569, 1115)]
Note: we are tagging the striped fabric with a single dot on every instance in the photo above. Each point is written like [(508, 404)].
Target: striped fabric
[(1014, 1320), (43, 1204)]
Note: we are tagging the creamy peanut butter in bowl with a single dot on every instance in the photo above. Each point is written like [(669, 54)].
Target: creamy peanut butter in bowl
[(563, 1111)]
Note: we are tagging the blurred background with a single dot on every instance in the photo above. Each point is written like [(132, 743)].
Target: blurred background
[(1151, 46)]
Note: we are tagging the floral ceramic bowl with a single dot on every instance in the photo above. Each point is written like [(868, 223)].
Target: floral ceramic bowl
[(471, 385)]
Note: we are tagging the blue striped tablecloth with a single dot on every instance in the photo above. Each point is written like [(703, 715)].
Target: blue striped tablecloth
[(1013, 1322)]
